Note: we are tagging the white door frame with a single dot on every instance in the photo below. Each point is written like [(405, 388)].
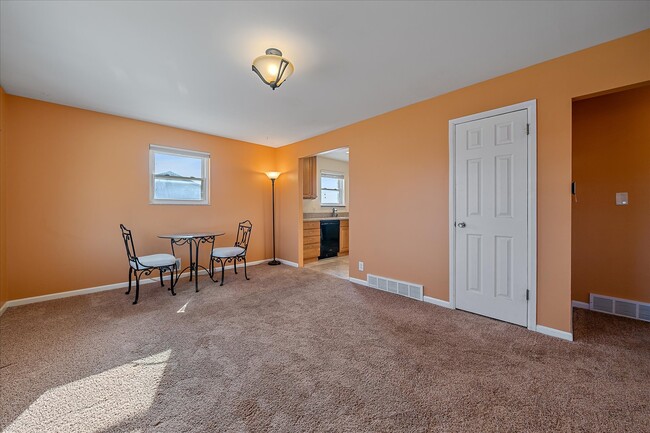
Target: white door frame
[(531, 107)]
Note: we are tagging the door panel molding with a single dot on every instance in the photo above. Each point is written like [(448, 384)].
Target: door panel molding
[(531, 111)]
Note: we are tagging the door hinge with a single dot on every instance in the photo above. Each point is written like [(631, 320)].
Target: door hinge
[(527, 294), (527, 128)]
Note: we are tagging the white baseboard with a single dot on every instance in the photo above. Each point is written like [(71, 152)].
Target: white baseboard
[(578, 304), (554, 333), (358, 281), (59, 295), (288, 263), (436, 301)]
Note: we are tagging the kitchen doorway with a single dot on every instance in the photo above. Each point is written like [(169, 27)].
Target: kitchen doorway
[(326, 212)]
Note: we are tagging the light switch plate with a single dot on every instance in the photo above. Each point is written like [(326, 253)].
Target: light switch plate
[(621, 199)]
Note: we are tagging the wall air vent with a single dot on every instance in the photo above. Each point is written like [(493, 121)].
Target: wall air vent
[(644, 312), (619, 307), (625, 308), (604, 305), (403, 288)]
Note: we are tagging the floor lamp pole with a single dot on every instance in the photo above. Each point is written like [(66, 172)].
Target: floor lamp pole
[(273, 262)]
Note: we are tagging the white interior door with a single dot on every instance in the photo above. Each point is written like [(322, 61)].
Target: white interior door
[(491, 217)]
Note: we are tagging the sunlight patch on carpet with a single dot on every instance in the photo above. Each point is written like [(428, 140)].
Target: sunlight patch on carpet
[(96, 402), (182, 310)]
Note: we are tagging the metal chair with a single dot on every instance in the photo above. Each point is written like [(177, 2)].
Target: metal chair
[(234, 254), (145, 265)]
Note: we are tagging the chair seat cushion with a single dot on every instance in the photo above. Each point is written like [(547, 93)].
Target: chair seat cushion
[(228, 252), (155, 261)]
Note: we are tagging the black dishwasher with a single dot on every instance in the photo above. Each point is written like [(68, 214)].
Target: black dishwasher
[(329, 238)]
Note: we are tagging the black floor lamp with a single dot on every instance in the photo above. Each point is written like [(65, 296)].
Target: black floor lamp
[(273, 175)]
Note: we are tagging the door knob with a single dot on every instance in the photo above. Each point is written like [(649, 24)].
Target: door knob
[(461, 225)]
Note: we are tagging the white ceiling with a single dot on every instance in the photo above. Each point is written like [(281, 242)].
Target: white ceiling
[(188, 64), (342, 154)]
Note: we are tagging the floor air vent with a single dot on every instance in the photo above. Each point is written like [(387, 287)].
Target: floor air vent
[(403, 288), (620, 307)]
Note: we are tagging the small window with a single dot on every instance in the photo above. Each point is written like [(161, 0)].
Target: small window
[(332, 187), (178, 176)]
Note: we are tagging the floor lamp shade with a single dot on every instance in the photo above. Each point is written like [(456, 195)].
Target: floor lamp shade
[(273, 174)]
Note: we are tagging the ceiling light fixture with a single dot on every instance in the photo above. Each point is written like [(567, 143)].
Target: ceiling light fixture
[(272, 68)]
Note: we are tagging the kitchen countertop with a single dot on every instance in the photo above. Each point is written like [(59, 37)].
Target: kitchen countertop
[(326, 219)]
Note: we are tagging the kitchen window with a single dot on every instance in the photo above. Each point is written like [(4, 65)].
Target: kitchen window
[(332, 187), (178, 176)]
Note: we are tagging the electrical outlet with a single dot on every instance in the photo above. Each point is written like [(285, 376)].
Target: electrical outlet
[(361, 266)]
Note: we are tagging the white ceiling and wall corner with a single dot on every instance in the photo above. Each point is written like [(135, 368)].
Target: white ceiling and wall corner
[(342, 154), (188, 64)]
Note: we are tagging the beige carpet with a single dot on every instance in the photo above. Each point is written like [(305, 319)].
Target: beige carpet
[(296, 350)]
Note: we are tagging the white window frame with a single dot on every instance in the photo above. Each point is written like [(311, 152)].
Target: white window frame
[(336, 175), (205, 170)]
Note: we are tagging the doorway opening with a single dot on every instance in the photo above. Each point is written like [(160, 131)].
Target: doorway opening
[(326, 212), (611, 203)]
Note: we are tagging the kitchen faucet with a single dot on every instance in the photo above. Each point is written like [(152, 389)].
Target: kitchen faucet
[(335, 212)]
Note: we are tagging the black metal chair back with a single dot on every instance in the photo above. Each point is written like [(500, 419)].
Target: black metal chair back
[(225, 255), (137, 268), (244, 234), (128, 243)]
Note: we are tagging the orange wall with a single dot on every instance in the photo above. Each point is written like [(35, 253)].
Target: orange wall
[(75, 175), (611, 153), (3, 195), (406, 152)]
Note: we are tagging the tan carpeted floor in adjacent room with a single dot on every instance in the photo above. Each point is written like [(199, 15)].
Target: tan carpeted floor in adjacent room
[(296, 350)]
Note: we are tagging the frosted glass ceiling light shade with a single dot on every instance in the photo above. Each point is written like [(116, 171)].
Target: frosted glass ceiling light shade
[(272, 68)]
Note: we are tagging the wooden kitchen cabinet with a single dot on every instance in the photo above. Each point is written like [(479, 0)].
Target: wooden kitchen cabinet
[(344, 238), (309, 189), (310, 241)]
